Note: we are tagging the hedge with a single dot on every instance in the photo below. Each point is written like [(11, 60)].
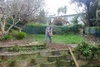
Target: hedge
[(93, 31), (34, 30), (56, 29)]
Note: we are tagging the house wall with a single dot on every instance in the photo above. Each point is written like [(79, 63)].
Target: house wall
[(68, 18)]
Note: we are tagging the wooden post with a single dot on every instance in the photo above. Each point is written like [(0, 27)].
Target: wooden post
[(73, 57)]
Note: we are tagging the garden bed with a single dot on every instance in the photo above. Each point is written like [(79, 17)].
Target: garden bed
[(17, 42), (53, 52), (56, 46)]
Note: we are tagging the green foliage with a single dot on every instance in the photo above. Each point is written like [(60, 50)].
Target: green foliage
[(12, 63), (14, 32), (97, 29), (74, 20), (98, 50), (34, 48), (92, 14), (34, 29), (33, 24), (14, 48), (62, 10), (87, 50), (6, 37), (75, 28), (20, 35), (56, 29), (41, 18), (91, 8)]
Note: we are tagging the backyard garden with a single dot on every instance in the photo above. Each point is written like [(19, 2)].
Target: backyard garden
[(27, 48), (22, 33)]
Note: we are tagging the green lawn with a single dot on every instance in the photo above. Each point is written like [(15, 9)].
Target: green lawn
[(65, 39)]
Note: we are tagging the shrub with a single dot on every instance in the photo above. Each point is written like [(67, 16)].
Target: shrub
[(58, 23), (75, 28), (56, 29), (87, 50), (14, 32), (34, 25), (6, 37), (74, 20), (34, 29), (20, 35)]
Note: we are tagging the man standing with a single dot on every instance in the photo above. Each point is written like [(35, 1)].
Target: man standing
[(48, 33)]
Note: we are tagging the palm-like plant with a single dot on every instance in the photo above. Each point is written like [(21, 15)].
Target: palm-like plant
[(62, 10)]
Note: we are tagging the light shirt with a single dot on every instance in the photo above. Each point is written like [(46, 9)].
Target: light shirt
[(48, 30)]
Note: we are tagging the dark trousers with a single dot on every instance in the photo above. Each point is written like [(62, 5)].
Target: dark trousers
[(50, 38)]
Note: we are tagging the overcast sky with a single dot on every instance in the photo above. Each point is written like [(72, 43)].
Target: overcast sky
[(53, 5)]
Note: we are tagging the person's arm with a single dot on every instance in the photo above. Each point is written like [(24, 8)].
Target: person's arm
[(47, 30), (50, 33)]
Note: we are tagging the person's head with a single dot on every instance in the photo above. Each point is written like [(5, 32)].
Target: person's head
[(50, 24)]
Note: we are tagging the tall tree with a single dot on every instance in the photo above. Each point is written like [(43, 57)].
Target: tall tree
[(87, 4), (75, 19), (16, 10), (93, 10), (62, 10), (42, 17)]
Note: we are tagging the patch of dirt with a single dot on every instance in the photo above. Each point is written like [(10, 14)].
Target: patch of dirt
[(9, 53), (14, 42), (56, 46)]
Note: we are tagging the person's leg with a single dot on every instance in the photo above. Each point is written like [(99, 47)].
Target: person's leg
[(45, 38), (50, 39)]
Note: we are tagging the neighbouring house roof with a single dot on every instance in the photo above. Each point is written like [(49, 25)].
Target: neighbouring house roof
[(67, 15)]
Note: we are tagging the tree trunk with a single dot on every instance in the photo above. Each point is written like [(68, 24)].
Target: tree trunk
[(3, 31), (3, 23), (3, 26), (88, 13)]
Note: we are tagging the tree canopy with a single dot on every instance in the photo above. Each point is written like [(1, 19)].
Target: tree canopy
[(18, 10), (90, 7)]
